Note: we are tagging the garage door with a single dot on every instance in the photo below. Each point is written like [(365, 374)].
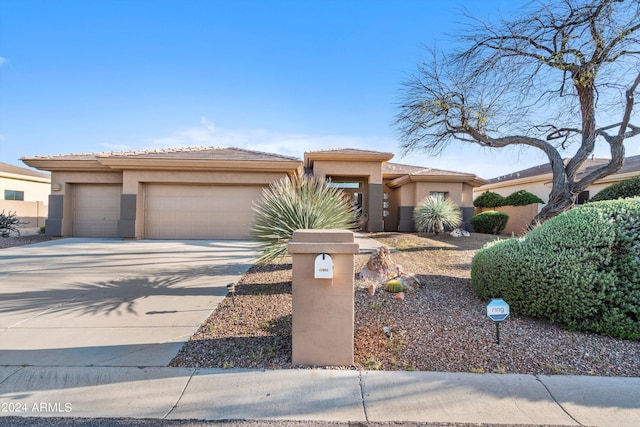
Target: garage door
[(96, 210), (199, 212)]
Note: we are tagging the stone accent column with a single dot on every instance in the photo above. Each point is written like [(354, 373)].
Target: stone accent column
[(323, 309), (127, 221), (405, 219), (376, 220), (53, 224), (467, 214)]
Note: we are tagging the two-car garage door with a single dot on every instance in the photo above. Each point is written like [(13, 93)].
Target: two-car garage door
[(199, 211), (171, 211)]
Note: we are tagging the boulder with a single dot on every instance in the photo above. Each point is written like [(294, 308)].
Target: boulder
[(379, 269), (378, 266), (460, 232)]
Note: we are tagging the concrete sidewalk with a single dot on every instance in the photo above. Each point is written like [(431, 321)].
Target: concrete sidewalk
[(367, 244), (318, 395)]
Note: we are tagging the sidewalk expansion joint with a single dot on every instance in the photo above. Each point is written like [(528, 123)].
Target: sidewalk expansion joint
[(13, 373), (175, 405), (556, 401), (364, 402)]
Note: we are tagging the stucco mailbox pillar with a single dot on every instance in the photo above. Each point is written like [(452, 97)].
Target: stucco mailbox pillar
[(323, 308)]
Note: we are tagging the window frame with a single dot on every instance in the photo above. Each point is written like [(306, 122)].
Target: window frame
[(18, 195)]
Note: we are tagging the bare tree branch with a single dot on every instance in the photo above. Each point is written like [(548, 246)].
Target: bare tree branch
[(559, 64)]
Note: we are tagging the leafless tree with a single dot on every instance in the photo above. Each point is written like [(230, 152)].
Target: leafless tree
[(545, 80)]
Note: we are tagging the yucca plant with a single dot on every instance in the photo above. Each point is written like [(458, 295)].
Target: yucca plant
[(294, 203), (434, 213)]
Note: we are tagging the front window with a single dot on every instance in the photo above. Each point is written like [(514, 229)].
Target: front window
[(13, 195), (442, 194), (344, 184)]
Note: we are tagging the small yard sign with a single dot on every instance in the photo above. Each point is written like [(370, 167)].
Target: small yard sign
[(498, 311)]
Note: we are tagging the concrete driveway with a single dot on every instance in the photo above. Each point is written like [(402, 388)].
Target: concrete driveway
[(108, 302)]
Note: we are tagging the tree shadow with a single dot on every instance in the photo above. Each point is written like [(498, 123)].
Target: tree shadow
[(262, 352), (120, 295)]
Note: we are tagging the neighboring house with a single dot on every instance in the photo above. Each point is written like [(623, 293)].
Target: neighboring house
[(538, 179), (206, 193), (630, 168), (25, 192)]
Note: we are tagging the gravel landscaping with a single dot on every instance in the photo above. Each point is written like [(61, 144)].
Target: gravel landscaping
[(440, 327), (9, 242)]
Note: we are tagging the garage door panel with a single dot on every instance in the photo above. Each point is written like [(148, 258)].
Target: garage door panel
[(199, 212), (96, 210)]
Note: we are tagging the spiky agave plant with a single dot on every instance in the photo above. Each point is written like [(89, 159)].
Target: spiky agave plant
[(434, 213), (294, 203)]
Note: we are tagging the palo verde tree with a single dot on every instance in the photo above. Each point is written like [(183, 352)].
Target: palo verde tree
[(561, 78)]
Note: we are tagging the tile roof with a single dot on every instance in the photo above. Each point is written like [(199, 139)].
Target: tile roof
[(631, 164), (348, 151), (541, 170), (184, 153), (399, 169), (17, 170)]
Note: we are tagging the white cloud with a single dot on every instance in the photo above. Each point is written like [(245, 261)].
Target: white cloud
[(208, 134), (3, 60), (459, 157)]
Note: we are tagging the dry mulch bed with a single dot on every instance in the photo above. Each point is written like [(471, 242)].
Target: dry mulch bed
[(440, 327)]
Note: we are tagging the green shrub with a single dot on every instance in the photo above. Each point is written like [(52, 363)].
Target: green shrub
[(488, 199), (580, 269), (521, 198), (620, 190), (435, 213), (296, 203), (489, 222)]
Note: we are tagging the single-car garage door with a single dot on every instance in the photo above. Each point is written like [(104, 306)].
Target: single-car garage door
[(199, 211), (96, 210)]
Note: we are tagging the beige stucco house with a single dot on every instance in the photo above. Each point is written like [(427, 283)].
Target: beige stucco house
[(538, 179), (203, 193), (25, 192)]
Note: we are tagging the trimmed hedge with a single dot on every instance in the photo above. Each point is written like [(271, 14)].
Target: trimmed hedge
[(488, 199), (521, 198), (620, 190), (489, 222), (580, 269)]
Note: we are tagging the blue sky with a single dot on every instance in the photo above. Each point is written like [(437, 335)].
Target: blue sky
[(283, 76)]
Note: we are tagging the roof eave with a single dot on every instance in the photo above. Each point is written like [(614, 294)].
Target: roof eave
[(29, 178), (472, 180), (137, 163), (617, 177), (519, 181), (339, 156), (55, 165)]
